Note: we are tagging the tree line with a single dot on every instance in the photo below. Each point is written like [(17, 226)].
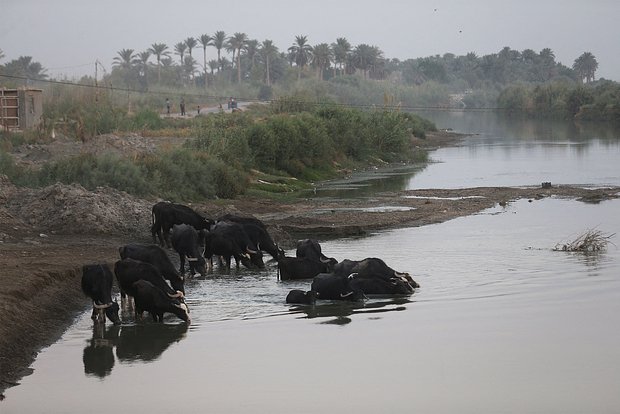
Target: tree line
[(225, 65), (241, 59)]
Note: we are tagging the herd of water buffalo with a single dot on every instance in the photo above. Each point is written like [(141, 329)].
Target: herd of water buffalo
[(146, 273)]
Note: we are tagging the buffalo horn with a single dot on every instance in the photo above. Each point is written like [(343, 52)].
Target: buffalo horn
[(247, 249), (97, 306)]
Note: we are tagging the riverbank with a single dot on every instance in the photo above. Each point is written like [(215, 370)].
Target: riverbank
[(41, 271), (47, 234)]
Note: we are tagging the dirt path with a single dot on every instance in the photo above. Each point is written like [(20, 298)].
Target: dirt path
[(46, 235)]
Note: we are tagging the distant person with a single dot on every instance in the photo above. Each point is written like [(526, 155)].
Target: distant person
[(168, 106), (198, 110), (182, 106)]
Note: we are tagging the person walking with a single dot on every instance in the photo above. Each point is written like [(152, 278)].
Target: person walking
[(182, 105), (167, 106)]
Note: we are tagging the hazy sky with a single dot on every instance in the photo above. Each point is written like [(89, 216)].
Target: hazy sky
[(67, 36)]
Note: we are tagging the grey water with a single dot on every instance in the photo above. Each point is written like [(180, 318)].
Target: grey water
[(501, 323), (499, 151)]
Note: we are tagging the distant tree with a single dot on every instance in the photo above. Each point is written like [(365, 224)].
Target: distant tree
[(365, 57), (251, 51), (301, 53), (180, 49), (219, 41), (126, 59), (238, 41), (189, 68), (191, 43), (143, 61), (341, 49), (25, 67), (213, 64), (205, 40), (126, 62), (546, 64), (268, 50), (529, 56), (159, 50), (586, 66), (322, 56)]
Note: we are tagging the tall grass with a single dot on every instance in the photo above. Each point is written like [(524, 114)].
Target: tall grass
[(288, 138)]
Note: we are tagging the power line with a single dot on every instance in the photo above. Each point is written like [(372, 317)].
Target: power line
[(255, 100)]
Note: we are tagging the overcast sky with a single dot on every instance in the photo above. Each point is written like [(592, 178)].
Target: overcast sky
[(68, 36)]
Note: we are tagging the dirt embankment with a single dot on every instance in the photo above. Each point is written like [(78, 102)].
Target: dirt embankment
[(46, 235)]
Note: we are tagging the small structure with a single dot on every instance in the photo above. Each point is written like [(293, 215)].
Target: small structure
[(20, 109)]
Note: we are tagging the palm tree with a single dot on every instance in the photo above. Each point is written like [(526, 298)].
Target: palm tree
[(1, 54), (219, 40), (189, 67), (126, 59), (341, 49), (321, 58), (143, 61), (546, 64), (301, 52), (25, 67), (268, 50), (362, 57), (125, 62), (251, 50), (238, 41), (213, 64), (180, 49), (191, 43), (585, 66), (205, 40), (159, 50)]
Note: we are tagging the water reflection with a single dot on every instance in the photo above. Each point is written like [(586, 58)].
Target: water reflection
[(146, 342), (340, 313), (98, 356), (501, 151), (368, 183)]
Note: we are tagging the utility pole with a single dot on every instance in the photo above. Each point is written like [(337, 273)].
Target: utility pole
[(96, 86)]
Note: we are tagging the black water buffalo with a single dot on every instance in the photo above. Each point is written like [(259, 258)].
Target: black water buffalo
[(128, 271), (97, 283), (257, 232), (155, 255), (293, 268), (229, 240), (311, 249), (332, 287), (153, 300), (374, 277), (186, 242), (301, 297), (164, 215)]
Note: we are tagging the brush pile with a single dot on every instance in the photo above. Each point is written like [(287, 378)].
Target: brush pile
[(590, 241)]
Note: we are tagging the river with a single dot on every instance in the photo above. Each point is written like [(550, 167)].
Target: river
[(501, 323)]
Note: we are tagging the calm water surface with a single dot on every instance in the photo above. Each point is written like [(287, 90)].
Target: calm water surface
[(513, 152), (502, 323)]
